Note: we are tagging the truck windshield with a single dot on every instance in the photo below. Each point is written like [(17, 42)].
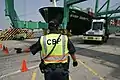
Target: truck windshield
[(97, 25)]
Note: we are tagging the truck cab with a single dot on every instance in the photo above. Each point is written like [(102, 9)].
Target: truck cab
[(98, 31)]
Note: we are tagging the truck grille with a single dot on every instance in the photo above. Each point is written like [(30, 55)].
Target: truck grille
[(90, 37), (91, 33)]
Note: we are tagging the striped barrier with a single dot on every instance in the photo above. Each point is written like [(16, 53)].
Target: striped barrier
[(30, 35), (3, 34), (9, 34)]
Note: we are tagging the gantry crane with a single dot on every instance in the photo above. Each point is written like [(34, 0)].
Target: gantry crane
[(107, 12), (17, 23)]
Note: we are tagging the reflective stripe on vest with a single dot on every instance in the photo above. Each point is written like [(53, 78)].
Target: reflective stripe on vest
[(60, 52)]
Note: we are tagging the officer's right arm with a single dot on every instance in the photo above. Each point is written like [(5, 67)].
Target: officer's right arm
[(35, 47)]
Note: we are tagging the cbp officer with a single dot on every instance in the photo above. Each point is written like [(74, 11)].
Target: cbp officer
[(54, 49)]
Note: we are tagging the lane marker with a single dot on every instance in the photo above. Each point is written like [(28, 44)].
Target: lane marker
[(34, 73), (70, 77), (34, 76), (16, 72), (33, 67), (91, 70), (12, 73)]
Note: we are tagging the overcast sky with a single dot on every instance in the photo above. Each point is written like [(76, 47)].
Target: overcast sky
[(31, 7)]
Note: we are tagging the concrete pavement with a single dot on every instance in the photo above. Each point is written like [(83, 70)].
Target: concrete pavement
[(96, 62)]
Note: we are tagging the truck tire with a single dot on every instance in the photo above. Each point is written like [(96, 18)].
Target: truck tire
[(84, 41), (105, 39), (107, 36), (22, 38), (101, 42)]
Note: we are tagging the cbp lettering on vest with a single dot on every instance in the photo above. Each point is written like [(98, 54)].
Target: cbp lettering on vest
[(52, 41), (57, 47)]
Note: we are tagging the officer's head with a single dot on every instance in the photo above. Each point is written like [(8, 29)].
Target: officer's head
[(53, 26)]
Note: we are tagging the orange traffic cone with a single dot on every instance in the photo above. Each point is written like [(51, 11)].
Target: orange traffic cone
[(24, 66), (5, 50), (0, 46), (3, 47)]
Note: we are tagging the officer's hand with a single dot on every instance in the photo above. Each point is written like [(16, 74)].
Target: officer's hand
[(18, 50), (75, 63), (26, 50)]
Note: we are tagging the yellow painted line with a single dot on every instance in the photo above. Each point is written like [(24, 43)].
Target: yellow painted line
[(91, 70), (34, 76), (70, 78)]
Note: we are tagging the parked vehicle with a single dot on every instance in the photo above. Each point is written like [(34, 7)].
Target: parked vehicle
[(20, 36), (99, 30)]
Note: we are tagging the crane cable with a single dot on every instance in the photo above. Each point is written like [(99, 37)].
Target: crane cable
[(25, 13)]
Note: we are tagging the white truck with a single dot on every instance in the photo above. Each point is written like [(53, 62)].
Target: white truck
[(99, 31)]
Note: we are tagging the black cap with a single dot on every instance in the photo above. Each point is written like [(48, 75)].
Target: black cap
[(53, 24)]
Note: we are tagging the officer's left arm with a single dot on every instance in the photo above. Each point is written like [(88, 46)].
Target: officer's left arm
[(71, 47), (72, 51)]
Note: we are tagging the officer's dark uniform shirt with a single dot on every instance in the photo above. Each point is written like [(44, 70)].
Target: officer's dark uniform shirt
[(37, 47)]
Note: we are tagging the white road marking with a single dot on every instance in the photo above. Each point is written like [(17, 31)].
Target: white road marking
[(70, 78), (18, 71), (12, 73)]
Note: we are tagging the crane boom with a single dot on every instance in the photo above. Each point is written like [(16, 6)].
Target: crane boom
[(67, 3), (10, 11), (16, 22)]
